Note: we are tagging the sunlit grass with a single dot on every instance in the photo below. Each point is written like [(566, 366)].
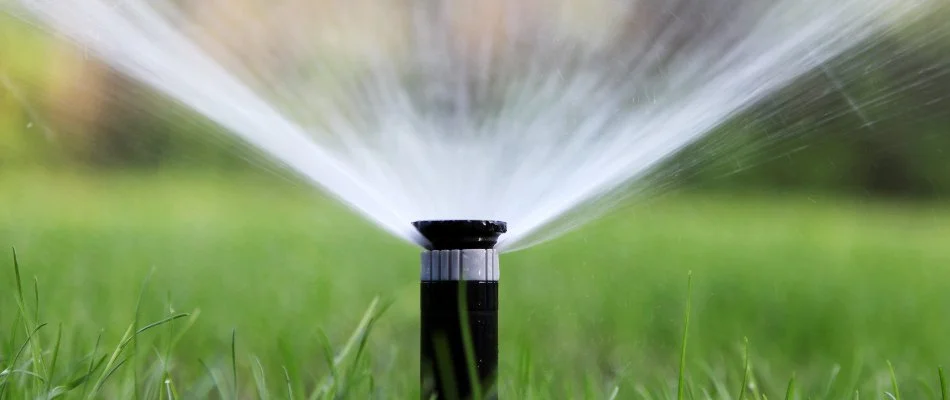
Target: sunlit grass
[(277, 289)]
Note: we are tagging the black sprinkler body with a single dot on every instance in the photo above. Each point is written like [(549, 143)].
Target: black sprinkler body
[(459, 302)]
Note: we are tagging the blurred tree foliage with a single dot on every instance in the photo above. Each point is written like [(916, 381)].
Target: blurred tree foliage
[(876, 120), (58, 107)]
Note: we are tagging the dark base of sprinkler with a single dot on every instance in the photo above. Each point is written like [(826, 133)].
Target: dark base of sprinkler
[(445, 364)]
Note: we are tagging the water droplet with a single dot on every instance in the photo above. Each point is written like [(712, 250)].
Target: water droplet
[(29, 125)]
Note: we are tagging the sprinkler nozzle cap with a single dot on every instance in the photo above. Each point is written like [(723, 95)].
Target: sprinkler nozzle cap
[(461, 234)]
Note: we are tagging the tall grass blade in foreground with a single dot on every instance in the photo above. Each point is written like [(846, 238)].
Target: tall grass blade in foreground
[(445, 370), (790, 390), (52, 364), (234, 380), (745, 368), (16, 274), (260, 380), (467, 343), (943, 385), (30, 325), (7, 373), (93, 364), (894, 387), (614, 393), (831, 381), (113, 364), (333, 383), (135, 342), (290, 386), (681, 387)]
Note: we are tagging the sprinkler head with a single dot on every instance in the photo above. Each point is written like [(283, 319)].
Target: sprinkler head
[(461, 234), (459, 298)]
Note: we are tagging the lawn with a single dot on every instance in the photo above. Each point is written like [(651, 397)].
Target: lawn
[(827, 292)]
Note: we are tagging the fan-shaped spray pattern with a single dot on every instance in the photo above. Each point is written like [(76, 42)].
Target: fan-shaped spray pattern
[(435, 110)]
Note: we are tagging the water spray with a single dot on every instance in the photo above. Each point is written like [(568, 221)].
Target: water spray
[(459, 307), (543, 111)]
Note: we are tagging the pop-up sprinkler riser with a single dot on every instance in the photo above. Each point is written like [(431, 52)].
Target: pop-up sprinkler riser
[(459, 302)]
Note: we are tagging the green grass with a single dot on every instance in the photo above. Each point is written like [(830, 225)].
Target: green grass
[(184, 286)]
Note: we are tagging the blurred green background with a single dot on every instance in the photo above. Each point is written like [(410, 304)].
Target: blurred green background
[(815, 226)]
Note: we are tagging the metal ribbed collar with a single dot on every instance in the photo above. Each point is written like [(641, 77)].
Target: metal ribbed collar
[(460, 265)]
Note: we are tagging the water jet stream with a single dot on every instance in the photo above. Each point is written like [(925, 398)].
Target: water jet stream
[(425, 110)]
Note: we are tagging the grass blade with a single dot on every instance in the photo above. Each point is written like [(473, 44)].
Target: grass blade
[(444, 364), (290, 388), (943, 384), (92, 363), (36, 351), (525, 373), (112, 371), (355, 338), (135, 342), (175, 338), (327, 353), (192, 318), (112, 359), (161, 322), (11, 341), (234, 362), (790, 390), (467, 344), (745, 368), (52, 364), (84, 379), (36, 299), (170, 390), (361, 349), (16, 273), (26, 343), (613, 393), (681, 386), (25, 372), (127, 337), (288, 355), (260, 380), (835, 371), (214, 379), (897, 391)]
